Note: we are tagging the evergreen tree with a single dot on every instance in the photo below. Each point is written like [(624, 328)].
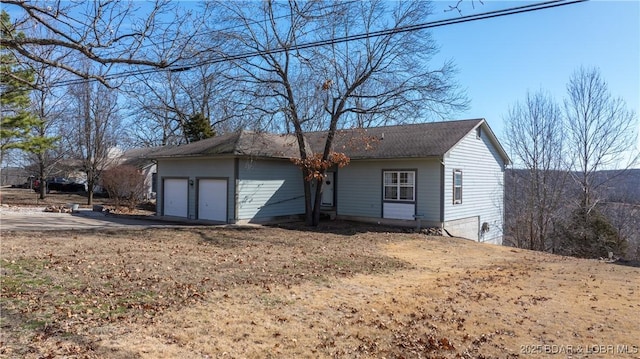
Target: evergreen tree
[(16, 121), (198, 128), (589, 234)]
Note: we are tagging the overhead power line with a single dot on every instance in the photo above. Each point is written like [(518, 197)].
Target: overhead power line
[(320, 43)]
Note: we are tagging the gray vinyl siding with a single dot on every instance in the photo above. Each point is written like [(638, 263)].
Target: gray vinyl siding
[(198, 168), (429, 190), (482, 185), (359, 190), (269, 188), (359, 187)]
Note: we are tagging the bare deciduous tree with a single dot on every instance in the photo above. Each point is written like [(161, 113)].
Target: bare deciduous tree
[(599, 146), (320, 65), (92, 130), (535, 136), (166, 101), (46, 106), (601, 132), (159, 113), (104, 32)]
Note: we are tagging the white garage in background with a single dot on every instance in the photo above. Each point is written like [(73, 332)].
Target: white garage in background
[(212, 199), (175, 197)]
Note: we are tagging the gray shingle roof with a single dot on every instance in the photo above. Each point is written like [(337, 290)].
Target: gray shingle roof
[(431, 139), (138, 157), (240, 143)]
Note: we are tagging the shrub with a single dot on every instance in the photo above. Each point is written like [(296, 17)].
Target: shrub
[(124, 184), (589, 234)]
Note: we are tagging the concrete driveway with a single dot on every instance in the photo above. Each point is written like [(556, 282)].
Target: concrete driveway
[(83, 219)]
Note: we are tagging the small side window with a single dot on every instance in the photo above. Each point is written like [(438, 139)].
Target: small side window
[(154, 182), (457, 186)]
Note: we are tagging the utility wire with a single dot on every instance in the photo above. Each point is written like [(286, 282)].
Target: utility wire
[(211, 32), (402, 29)]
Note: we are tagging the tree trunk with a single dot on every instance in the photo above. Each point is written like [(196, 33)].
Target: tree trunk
[(43, 187), (317, 202), (43, 181), (308, 210), (90, 186)]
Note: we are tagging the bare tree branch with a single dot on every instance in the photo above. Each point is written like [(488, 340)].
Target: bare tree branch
[(295, 88), (104, 32)]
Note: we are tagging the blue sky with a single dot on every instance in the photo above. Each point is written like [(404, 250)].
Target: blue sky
[(500, 59)]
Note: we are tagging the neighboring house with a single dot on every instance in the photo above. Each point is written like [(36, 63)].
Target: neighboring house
[(444, 174), (15, 176), (138, 157)]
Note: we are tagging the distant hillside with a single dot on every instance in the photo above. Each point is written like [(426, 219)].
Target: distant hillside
[(622, 186), (618, 199)]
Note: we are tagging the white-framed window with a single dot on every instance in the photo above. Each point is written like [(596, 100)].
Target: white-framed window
[(399, 186), (457, 186)]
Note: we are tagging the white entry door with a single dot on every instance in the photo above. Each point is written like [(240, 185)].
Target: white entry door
[(328, 190), (175, 197), (212, 199)]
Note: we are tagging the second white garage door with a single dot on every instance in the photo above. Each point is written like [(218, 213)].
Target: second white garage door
[(212, 199)]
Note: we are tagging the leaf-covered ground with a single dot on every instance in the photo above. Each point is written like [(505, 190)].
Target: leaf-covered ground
[(340, 291)]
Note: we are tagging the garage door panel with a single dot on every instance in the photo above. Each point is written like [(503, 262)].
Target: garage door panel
[(212, 199), (176, 197)]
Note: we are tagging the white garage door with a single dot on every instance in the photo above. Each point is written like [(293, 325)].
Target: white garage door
[(175, 197), (212, 199)]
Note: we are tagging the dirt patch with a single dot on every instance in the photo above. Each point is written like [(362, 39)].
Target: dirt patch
[(348, 291)]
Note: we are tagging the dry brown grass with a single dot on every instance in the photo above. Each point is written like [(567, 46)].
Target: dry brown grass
[(28, 197), (22, 197), (340, 291)]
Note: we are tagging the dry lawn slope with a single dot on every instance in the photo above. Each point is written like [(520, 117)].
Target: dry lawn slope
[(342, 291)]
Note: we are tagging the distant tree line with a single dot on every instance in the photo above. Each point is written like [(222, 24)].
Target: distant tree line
[(572, 160)]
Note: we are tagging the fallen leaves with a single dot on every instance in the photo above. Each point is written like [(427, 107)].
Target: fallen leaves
[(134, 277), (205, 292)]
